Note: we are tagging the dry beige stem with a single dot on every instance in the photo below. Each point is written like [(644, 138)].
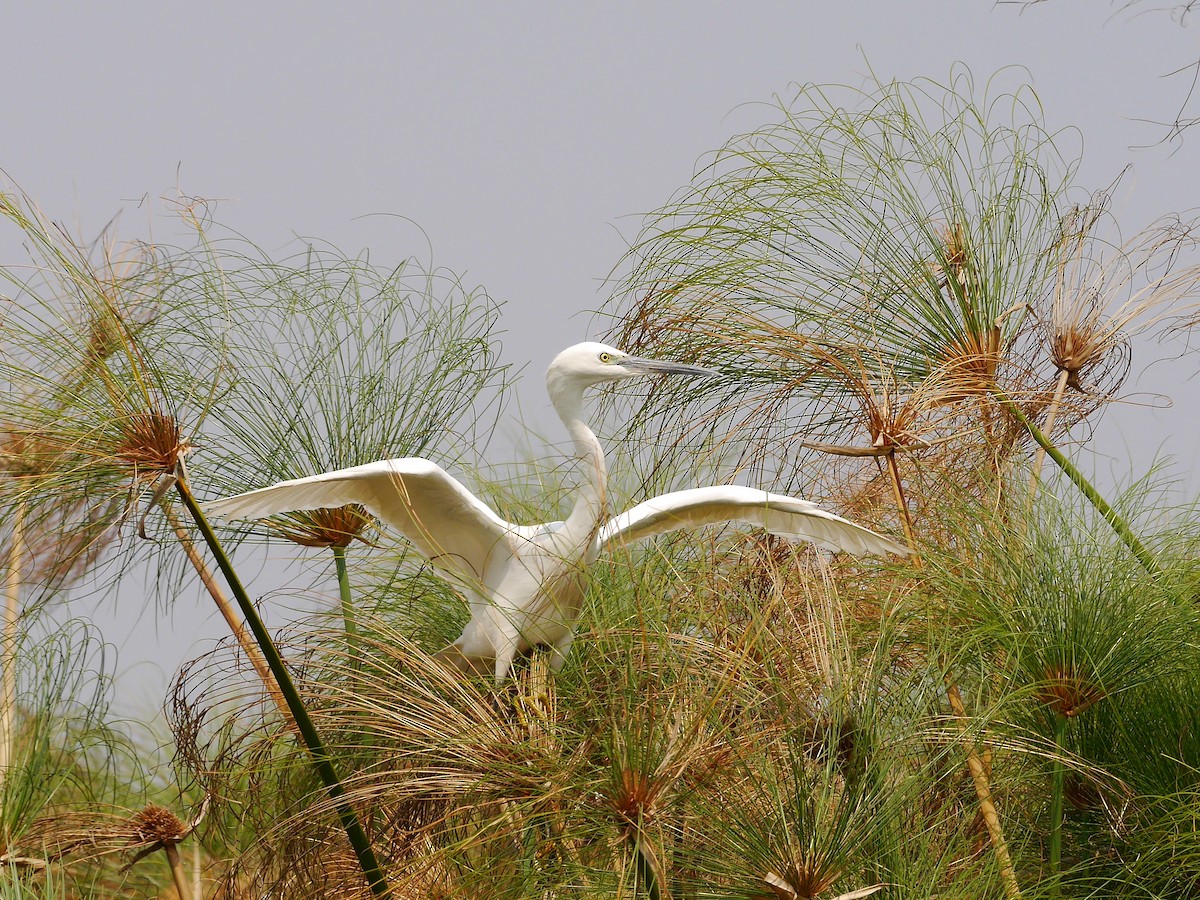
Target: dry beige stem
[(236, 626), (984, 794), (8, 648), (975, 764)]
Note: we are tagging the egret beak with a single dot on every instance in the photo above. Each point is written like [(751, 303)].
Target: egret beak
[(659, 367)]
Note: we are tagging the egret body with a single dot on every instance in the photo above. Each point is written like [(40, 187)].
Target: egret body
[(525, 583)]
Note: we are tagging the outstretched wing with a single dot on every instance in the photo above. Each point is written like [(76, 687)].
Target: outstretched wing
[(452, 527), (779, 514)]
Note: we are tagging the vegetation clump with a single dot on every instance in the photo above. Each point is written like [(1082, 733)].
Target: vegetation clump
[(914, 305)]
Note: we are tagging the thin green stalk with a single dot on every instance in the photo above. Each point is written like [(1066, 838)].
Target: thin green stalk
[(1057, 783), (343, 577), (1119, 525), (322, 761)]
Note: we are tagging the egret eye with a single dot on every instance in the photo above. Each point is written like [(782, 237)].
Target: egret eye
[(606, 357)]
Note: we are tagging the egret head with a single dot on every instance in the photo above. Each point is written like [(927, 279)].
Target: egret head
[(591, 363)]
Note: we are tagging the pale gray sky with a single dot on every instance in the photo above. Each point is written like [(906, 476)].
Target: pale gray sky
[(524, 139)]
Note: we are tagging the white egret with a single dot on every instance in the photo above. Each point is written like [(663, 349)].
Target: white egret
[(524, 583)]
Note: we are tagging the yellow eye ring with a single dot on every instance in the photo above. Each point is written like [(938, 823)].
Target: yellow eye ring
[(606, 357)]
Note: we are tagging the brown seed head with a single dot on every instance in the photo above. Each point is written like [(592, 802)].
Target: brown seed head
[(105, 337), (325, 527), (634, 799), (1068, 693), (955, 239), (1075, 349), (150, 442), (1082, 793), (801, 878), (156, 825)]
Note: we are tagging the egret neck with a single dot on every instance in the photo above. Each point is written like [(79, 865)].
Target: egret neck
[(591, 504)]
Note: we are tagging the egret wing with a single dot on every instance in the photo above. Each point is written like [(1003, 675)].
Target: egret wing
[(779, 514), (452, 527)]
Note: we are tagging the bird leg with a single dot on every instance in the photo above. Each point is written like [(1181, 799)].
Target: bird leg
[(559, 650), (505, 657), (453, 657)]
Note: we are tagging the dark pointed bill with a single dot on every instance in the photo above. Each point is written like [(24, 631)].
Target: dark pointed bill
[(661, 367)]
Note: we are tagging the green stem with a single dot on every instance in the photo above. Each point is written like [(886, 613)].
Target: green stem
[(1060, 388), (1119, 525), (1058, 779), (343, 577), (647, 875), (322, 761)]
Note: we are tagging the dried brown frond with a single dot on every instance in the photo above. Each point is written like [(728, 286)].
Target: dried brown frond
[(91, 834), (219, 714), (64, 532), (323, 527), (61, 832), (968, 367), (1105, 296), (945, 423), (246, 759), (889, 414), (28, 452), (433, 763), (151, 443)]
